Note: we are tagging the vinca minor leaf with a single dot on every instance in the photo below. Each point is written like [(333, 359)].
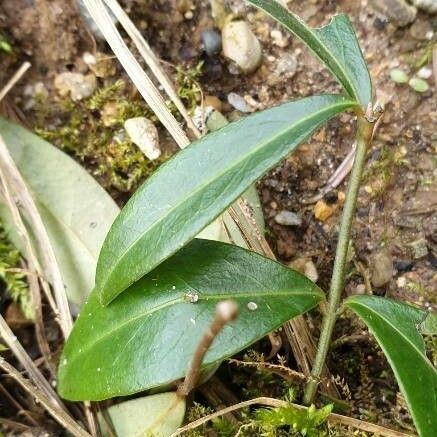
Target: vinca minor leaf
[(194, 187), (147, 336), (395, 326)]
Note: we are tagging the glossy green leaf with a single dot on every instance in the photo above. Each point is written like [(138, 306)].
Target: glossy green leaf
[(395, 327), (76, 211), (199, 183), (335, 44), (147, 336), (158, 415)]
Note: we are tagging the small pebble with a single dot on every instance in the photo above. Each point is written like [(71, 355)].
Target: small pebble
[(144, 134), (278, 38), (322, 211), (213, 102), (239, 103), (397, 11), (305, 266), (287, 64), (424, 73), (212, 42), (288, 218), (216, 121), (381, 268), (241, 46), (419, 248), (429, 6), (77, 85)]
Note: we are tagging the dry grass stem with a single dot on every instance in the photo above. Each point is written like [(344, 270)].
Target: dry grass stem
[(151, 60), (276, 403), (14, 79), (60, 415), (145, 86), (29, 366), (50, 264)]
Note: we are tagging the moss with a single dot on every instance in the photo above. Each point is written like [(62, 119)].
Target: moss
[(378, 176), (92, 132), (12, 276)]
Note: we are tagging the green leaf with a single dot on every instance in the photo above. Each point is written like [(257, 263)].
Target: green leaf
[(76, 211), (200, 182), (335, 44), (147, 336), (156, 415), (395, 327)]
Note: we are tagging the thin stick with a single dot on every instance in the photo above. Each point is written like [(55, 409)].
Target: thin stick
[(150, 59), (23, 358), (226, 311), (276, 403), (364, 136), (50, 263), (14, 79), (57, 413), (32, 259)]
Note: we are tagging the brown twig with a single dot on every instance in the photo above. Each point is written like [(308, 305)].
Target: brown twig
[(57, 413), (276, 403), (226, 311)]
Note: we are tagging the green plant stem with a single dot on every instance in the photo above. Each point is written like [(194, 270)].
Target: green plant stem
[(364, 136)]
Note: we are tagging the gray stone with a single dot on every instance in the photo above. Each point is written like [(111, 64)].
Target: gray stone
[(397, 11), (239, 103), (212, 42), (429, 6), (241, 46), (288, 218), (144, 134), (381, 268)]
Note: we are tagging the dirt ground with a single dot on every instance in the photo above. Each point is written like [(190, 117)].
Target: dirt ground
[(395, 231)]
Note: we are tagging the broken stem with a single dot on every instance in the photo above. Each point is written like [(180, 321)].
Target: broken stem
[(226, 312), (364, 136)]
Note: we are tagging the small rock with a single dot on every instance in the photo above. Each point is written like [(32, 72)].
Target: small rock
[(424, 73), (241, 46), (287, 65), (403, 266), (144, 134), (422, 30), (213, 102), (361, 289), (278, 38), (288, 218), (381, 268), (216, 121), (419, 248), (212, 42), (397, 11), (239, 103), (79, 86), (429, 6), (322, 211), (305, 266)]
